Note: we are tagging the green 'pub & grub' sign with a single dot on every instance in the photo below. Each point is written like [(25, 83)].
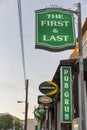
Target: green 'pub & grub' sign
[(66, 94)]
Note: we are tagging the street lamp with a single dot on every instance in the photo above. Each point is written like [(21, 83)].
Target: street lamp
[(26, 113), (20, 101)]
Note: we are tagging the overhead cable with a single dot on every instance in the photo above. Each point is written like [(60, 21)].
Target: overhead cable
[(21, 37)]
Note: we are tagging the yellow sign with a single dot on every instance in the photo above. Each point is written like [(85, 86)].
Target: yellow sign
[(49, 88)]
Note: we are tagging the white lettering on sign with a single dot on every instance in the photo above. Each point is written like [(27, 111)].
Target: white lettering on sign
[(55, 23), (66, 85), (66, 101), (66, 94), (66, 78), (55, 38), (57, 16), (66, 71), (66, 108), (66, 116)]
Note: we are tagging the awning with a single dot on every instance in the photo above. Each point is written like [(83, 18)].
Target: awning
[(74, 63)]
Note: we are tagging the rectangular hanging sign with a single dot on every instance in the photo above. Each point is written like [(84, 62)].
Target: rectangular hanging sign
[(66, 94), (55, 30)]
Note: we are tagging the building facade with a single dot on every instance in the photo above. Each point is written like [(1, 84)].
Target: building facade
[(31, 124), (75, 55), (54, 110)]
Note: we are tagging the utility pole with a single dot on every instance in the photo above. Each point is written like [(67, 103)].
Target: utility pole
[(82, 118), (26, 104), (23, 60)]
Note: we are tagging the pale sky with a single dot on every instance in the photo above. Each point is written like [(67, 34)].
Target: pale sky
[(40, 64)]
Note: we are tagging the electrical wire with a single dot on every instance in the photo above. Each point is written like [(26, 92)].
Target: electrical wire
[(10, 86), (21, 37)]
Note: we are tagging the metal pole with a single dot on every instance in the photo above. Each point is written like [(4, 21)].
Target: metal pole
[(85, 103), (26, 105), (81, 74), (50, 120), (80, 107), (46, 118)]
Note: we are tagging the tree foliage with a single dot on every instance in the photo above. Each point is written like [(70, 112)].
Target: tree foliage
[(17, 124), (6, 121)]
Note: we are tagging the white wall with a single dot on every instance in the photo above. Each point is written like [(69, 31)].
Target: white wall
[(31, 124)]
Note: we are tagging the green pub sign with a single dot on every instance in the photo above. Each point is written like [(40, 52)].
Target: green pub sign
[(55, 29), (66, 95)]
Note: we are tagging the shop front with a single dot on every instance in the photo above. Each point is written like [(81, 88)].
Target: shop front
[(54, 111)]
